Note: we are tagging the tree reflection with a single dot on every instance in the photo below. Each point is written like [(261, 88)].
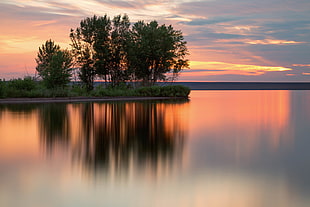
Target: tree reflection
[(18, 108), (53, 125), (115, 135)]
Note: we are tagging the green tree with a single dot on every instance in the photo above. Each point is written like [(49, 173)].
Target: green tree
[(87, 70), (114, 51), (118, 63), (90, 45), (58, 72), (44, 56), (156, 51), (54, 65)]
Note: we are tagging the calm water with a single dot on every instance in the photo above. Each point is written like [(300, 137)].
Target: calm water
[(221, 148)]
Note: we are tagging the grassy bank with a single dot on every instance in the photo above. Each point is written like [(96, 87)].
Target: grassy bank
[(28, 88)]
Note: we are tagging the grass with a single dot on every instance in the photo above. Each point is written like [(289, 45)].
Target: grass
[(28, 88)]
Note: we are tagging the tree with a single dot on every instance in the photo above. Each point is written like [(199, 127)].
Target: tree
[(87, 70), (54, 65), (46, 51), (59, 70), (118, 63), (156, 51), (99, 45), (90, 45), (114, 51)]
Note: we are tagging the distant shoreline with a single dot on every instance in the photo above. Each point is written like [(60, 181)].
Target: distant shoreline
[(245, 85)]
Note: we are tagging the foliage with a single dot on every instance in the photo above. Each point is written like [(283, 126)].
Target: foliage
[(155, 51), (110, 49), (19, 87), (58, 72), (164, 91), (90, 47), (45, 54), (116, 52), (78, 90), (2, 88), (118, 67), (27, 87), (112, 92), (54, 65), (26, 84)]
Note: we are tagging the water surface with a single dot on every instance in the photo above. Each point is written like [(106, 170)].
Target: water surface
[(221, 148)]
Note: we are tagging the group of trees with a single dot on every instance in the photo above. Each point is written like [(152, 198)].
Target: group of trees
[(115, 51)]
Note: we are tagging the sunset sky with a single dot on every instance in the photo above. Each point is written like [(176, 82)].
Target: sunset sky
[(228, 40)]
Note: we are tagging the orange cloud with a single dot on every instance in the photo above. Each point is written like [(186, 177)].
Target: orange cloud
[(301, 65), (272, 42), (258, 42), (222, 68)]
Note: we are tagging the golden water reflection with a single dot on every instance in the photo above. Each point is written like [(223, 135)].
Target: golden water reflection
[(221, 148), (116, 136), (243, 121)]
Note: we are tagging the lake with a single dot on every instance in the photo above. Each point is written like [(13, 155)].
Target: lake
[(219, 148)]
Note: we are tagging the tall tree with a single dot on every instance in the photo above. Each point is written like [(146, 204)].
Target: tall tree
[(90, 45), (116, 52), (45, 54), (54, 65), (156, 51), (58, 72), (118, 49)]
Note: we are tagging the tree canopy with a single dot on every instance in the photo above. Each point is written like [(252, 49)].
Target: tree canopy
[(54, 65), (156, 50), (115, 51)]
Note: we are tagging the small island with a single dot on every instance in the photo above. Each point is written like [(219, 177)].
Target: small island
[(108, 58)]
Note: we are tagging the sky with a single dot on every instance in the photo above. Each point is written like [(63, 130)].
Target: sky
[(228, 40)]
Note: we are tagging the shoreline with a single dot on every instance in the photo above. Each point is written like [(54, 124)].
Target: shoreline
[(208, 86), (81, 99)]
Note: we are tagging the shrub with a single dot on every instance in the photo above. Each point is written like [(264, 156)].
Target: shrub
[(175, 91), (122, 90), (19, 87), (2, 88), (27, 87), (164, 91), (57, 92), (25, 84), (149, 91), (78, 90)]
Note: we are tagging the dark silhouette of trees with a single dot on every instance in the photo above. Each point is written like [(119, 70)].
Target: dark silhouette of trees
[(156, 50), (45, 54), (116, 52), (90, 46), (120, 34), (54, 65)]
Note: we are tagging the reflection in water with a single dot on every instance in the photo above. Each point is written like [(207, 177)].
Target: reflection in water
[(54, 125), (223, 148), (19, 132), (243, 121), (113, 136)]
